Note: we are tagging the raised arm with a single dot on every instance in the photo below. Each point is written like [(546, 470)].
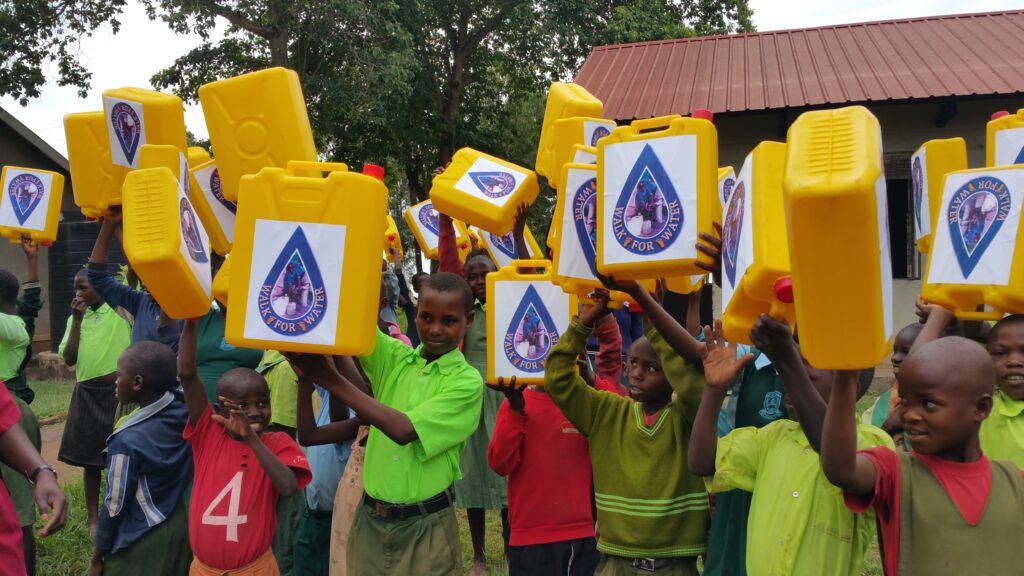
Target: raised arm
[(721, 366), (579, 402), (69, 347), (188, 375), (675, 335), (113, 292), (519, 232), (936, 320), (309, 433), (773, 338), (693, 312), (843, 467), (505, 449), (281, 476), (609, 351), (447, 246)]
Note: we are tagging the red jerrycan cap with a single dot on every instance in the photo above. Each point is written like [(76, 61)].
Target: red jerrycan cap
[(703, 114), (1000, 114), (391, 237), (784, 289), (374, 171)]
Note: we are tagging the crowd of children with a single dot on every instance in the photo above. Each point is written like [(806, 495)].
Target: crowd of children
[(673, 451)]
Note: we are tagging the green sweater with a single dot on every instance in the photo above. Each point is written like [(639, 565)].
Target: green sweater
[(649, 505)]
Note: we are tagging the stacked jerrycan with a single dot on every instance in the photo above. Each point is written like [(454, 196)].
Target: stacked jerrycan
[(928, 168), (30, 204), (837, 217), (755, 252), (483, 191), (572, 116), (1004, 139), (96, 180), (214, 209), (424, 221), (305, 266)]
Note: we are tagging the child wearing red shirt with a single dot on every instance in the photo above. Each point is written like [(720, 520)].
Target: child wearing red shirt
[(240, 470), (535, 445)]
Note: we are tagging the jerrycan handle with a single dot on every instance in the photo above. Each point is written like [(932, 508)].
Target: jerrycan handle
[(310, 166), (648, 125), (544, 265), (979, 316)]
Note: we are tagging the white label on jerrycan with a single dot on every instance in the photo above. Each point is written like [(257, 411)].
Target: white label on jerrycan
[(884, 253), (1009, 147), (502, 248), (490, 181), (528, 323), (977, 228), (126, 128), (583, 157), (26, 199), (294, 294), (223, 209), (919, 193), (195, 242), (594, 131), (577, 248), (725, 187), (428, 221), (650, 194), (737, 239)]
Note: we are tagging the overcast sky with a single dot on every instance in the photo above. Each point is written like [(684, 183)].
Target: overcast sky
[(143, 47)]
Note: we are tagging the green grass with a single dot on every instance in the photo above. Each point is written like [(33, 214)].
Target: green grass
[(67, 553), (52, 396)]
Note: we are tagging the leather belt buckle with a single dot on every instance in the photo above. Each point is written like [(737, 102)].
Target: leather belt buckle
[(381, 509), (645, 564)]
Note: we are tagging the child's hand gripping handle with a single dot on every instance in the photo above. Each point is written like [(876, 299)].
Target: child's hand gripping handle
[(296, 166)]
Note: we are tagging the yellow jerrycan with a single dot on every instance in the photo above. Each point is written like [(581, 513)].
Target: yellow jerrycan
[(135, 116), (165, 242), (95, 180), (214, 209), (391, 236), (838, 227), (256, 120), (423, 220), (656, 190), (685, 284), (975, 256), (222, 282), (197, 156), (30, 204), (503, 250), (726, 184), (571, 137), (928, 168), (482, 190), (305, 266), (526, 315), (755, 253), (1004, 139), (565, 100)]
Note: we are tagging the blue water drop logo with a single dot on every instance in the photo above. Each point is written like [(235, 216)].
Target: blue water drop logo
[(292, 300), (731, 231), (218, 191), (25, 192), (976, 213), (190, 232), (1020, 157), (127, 128), (648, 215), (505, 244), (584, 217), (429, 218), (531, 334), (494, 184)]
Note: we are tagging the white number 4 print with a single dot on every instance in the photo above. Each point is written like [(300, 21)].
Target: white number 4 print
[(233, 519)]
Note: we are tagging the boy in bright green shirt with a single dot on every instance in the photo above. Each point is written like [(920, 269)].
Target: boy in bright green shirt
[(798, 523), (1002, 433), (426, 402)]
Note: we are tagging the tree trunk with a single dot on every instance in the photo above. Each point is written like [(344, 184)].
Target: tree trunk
[(279, 49)]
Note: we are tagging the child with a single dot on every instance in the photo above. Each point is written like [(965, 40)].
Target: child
[(240, 469), (651, 510), (1002, 433), (944, 508), (552, 530), (427, 403), (94, 339), (812, 532), (887, 401), (143, 525)]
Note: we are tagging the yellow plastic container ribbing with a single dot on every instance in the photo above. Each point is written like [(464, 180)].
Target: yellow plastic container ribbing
[(483, 191), (166, 243), (726, 184), (30, 204), (392, 237), (837, 219), (95, 180), (216, 211), (422, 219), (222, 282), (755, 253), (305, 266), (257, 120), (135, 117), (656, 190), (197, 156), (526, 315), (976, 256), (928, 168), (1004, 139), (502, 249), (565, 100), (572, 137)]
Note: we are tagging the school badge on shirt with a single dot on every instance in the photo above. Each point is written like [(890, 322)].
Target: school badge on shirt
[(648, 215)]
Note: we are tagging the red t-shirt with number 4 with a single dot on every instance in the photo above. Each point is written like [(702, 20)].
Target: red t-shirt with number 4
[(231, 517)]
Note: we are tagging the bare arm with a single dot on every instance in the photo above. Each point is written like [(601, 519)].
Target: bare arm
[(31, 259), (842, 465), (340, 429), (70, 354), (721, 366), (17, 452), (195, 394), (101, 249), (936, 319), (693, 313), (675, 335)]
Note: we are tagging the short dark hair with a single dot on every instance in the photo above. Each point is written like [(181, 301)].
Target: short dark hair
[(9, 286), (1011, 319), (480, 259), (448, 282), (156, 363), (867, 376)]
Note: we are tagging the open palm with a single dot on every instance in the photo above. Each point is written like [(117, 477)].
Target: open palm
[(721, 366)]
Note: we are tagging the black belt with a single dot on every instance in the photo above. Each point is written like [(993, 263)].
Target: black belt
[(389, 511), (655, 564)]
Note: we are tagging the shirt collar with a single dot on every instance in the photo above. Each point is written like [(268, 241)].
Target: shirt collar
[(1008, 406), (445, 364), (480, 305), (144, 413)]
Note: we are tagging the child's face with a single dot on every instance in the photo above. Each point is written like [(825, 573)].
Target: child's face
[(85, 291), (476, 276), (938, 412), (901, 347), (647, 382), (127, 385), (1006, 347), (441, 321), (252, 397)]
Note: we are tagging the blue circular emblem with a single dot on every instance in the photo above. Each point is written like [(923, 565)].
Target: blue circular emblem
[(25, 192), (429, 218)]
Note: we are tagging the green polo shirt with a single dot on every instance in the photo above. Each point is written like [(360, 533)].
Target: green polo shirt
[(1002, 433), (798, 522), (283, 384), (441, 398), (13, 343), (103, 337)]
